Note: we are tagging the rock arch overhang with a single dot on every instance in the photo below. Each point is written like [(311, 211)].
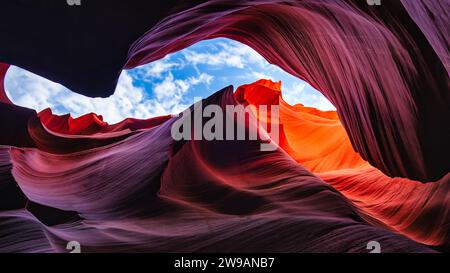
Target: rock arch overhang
[(385, 68)]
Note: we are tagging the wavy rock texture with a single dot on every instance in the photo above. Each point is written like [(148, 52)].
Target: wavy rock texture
[(135, 189), (376, 66), (317, 141), (377, 169)]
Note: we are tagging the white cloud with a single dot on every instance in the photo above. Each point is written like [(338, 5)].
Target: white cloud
[(231, 54), (202, 78), (258, 75), (221, 58), (167, 93), (157, 68), (171, 93), (292, 95), (170, 88), (324, 104), (246, 53), (302, 92), (33, 91)]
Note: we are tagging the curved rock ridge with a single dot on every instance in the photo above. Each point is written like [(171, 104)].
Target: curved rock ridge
[(377, 169), (385, 68), (317, 140), (133, 188)]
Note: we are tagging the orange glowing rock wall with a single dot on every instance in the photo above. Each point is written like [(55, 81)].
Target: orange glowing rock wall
[(375, 170)]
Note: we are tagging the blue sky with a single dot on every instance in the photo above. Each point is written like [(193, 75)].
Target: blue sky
[(166, 86)]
